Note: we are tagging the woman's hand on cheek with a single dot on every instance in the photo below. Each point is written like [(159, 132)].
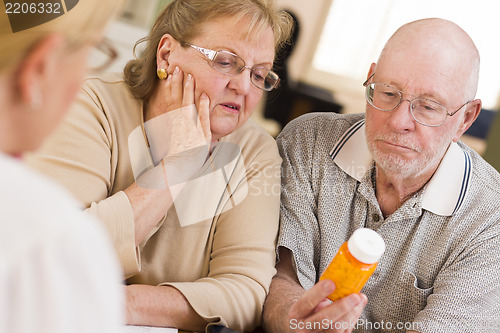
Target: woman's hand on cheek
[(173, 91), (180, 93), (180, 136), (191, 123), (188, 102)]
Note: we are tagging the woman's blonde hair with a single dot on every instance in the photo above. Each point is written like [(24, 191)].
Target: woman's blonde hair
[(78, 25), (183, 20)]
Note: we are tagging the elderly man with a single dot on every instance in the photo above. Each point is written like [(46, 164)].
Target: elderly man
[(400, 170)]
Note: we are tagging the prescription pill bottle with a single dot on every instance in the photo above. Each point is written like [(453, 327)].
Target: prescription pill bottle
[(354, 263)]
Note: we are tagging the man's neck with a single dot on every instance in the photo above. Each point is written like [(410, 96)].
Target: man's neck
[(392, 190)]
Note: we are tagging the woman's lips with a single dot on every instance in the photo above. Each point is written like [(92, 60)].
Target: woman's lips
[(231, 107)]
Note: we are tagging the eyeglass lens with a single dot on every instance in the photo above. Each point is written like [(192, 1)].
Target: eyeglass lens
[(229, 63), (387, 98)]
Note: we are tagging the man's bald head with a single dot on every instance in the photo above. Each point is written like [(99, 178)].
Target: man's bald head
[(440, 45)]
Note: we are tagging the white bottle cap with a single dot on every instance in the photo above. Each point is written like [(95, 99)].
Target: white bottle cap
[(366, 245)]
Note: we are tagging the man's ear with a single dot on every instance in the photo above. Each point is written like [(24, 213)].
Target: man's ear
[(38, 66), (471, 114), (165, 46), (371, 71)]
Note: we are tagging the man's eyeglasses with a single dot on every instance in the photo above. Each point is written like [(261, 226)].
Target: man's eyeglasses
[(102, 55), (425, 111), (230, 64)]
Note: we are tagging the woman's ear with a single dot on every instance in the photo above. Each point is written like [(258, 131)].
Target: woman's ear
[(165, 46), (471, 114), (37, 69)]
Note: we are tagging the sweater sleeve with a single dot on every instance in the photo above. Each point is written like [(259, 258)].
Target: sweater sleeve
[(80, 155), (243, 256)]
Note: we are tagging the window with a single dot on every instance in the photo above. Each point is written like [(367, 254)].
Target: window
[(355, 32)]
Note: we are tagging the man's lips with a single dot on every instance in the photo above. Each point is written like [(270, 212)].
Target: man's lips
[(399, 146)]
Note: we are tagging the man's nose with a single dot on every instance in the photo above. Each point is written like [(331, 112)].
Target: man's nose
[(401, 119)]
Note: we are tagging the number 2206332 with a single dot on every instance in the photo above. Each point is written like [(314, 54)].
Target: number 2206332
[(32, 8)]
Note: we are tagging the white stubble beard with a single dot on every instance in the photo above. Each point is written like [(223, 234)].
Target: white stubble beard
[(400, 167)]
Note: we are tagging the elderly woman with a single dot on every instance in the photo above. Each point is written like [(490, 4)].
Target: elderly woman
[(51, 280), (167, 158)]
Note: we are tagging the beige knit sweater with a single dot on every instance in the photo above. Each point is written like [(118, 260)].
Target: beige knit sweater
[(222, 264)]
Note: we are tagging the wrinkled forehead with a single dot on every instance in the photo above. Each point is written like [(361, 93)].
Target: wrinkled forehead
[(433, 76), (424, 57)]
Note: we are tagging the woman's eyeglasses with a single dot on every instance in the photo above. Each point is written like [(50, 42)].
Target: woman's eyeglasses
[(230, 64)]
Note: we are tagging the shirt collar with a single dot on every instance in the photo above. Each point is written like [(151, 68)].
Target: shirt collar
[(443, 194)]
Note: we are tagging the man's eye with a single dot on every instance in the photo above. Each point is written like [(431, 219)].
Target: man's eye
[(428, 107)]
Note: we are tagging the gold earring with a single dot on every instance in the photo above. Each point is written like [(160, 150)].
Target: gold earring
[(162, 74)]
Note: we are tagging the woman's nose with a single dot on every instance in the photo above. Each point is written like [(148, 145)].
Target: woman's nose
[(241, 82)]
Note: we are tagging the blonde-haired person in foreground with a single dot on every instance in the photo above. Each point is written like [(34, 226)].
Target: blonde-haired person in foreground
[(58, 273), (166, 155)]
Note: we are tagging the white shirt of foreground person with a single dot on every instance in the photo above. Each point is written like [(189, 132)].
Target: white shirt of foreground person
[(58, 273)]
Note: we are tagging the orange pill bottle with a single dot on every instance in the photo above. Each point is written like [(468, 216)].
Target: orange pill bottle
[(354, 263)]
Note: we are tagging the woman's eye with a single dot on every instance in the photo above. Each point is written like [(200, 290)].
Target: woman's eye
[(259, 74), (224, 61), (258, 77)]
